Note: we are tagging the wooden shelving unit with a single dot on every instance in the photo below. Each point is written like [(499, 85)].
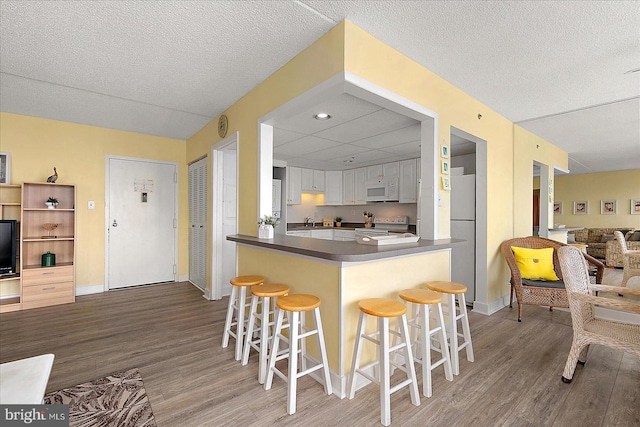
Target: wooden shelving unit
[(10, 208), (43, 286)]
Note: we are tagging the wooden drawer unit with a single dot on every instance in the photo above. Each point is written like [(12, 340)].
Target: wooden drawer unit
[(44, 276), (48, 294)]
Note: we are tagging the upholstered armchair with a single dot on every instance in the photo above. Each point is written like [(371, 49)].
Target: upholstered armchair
[(536, 292)]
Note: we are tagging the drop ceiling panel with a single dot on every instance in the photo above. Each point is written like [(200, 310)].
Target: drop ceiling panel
[(282, 136), (304, 146), (343, 108), (394, 137), (378, 122)]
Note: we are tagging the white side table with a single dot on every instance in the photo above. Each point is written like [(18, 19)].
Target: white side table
[(24, 381)]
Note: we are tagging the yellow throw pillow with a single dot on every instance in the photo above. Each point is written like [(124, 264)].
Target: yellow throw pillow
[(535, 264)]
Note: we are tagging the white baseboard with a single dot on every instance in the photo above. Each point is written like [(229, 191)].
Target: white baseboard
[(182, 277), (89, 289), (492, 307)]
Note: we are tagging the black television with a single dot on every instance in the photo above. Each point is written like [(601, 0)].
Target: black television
[(8, 245)]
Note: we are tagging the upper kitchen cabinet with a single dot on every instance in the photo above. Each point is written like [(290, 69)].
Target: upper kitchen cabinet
[(353, 186), (360, 187), (333, 188), (386, 170), (409, 181), (348, 187), (294, 185), (313, 181)]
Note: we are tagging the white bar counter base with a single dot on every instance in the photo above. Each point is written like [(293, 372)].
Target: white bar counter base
[(24, 381)]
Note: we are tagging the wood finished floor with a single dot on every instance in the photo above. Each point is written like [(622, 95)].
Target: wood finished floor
[(173, 336)]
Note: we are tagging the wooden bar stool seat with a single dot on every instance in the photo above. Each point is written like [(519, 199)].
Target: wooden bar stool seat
[(265, 295), (238, 304), (449, 291), (421, 301), (384, 309), (296, 306)]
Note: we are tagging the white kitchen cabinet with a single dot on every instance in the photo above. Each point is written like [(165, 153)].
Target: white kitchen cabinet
[(312, 181), (360, 188), (408, 181), (319, 181), (344, 235), (385, 170), (374, 172), (299, 233), (391, 170), (333, 188), (322, 234), (294, 185), (349, 187)]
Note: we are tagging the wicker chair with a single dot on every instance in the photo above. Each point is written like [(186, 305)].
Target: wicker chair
[(587, 329), (627, 256), (548, 294)]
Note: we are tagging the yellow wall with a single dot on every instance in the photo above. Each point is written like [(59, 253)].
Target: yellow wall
[(320, 61), (79, 153), (621, 186), (347, 47), (527, 149), (383, 65)]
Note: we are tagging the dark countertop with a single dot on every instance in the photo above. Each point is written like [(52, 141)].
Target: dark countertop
[(298, 226), (343, 251)]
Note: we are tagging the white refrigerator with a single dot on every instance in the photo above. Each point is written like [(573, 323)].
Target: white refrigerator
[(463, 226)]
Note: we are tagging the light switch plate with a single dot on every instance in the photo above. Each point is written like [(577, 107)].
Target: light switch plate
[(91, 204)]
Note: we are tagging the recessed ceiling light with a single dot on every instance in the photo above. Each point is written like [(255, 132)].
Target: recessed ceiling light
[(349, 160), (322, 116)]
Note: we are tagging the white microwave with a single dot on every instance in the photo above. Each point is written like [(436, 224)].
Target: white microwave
[(382, 190)]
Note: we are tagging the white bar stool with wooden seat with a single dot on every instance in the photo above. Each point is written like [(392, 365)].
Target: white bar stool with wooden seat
[(449, 291), (384, 309), (422, 300), (296, 306), (265, 295), (238, 304)]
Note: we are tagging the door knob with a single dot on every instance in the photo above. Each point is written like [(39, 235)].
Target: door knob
[(115, 224)]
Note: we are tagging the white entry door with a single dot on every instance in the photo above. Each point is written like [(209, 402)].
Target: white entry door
[(198, 223), (142, 221)]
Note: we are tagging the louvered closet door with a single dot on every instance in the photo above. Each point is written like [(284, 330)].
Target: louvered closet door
[(198, 223)]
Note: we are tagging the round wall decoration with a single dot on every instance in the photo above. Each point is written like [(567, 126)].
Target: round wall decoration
[(223, 124)]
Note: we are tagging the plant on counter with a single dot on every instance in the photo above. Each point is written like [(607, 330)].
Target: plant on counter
[(338, 219), (269, 220)]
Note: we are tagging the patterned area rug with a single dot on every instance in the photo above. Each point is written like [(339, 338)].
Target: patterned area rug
[(115, 400)]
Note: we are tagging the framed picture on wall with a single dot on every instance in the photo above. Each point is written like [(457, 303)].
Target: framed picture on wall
[(446, 184), (5, 168), (445, 167), (557, 208), (580, 207), (444, 152), (608, 207), (635, 206)]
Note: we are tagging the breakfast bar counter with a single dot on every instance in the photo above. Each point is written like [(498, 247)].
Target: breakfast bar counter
[(343, 251), (341, 274)]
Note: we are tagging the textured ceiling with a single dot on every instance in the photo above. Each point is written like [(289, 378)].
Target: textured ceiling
[(167, 68)]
